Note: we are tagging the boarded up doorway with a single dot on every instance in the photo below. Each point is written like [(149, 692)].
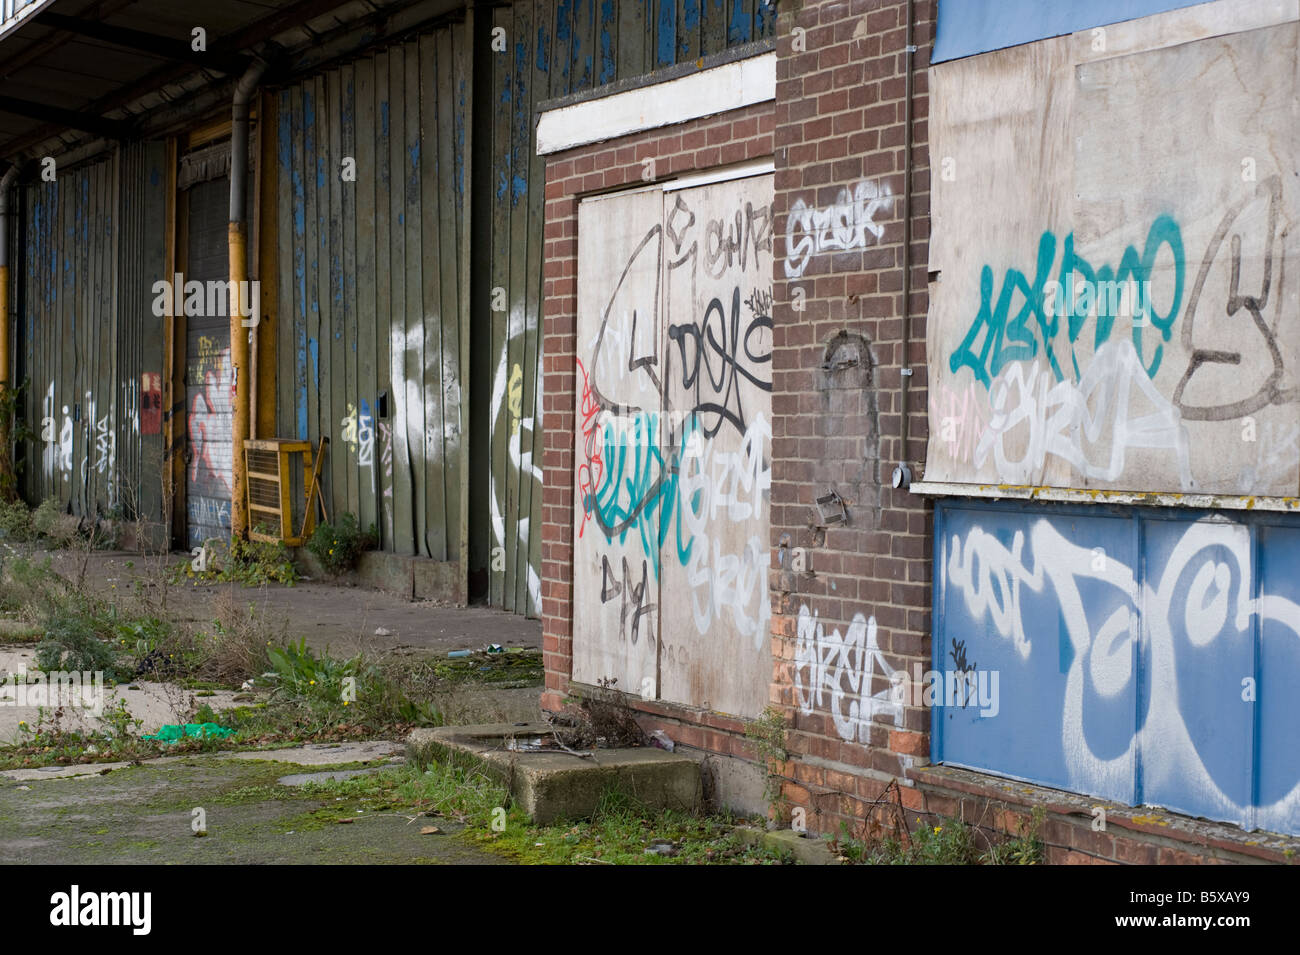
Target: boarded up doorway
[(209, 382), (673, 443)]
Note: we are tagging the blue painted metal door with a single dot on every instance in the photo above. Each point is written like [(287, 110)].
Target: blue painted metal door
[(1137, 655)]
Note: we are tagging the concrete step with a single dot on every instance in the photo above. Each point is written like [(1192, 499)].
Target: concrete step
[(550, 784)]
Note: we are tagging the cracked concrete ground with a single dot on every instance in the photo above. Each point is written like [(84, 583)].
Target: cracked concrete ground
[(145, 814)]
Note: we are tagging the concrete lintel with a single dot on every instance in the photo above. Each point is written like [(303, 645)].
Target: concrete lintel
[(706, 93)]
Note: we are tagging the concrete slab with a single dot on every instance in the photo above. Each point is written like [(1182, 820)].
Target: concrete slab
[(313, 754), (154, 703), (806, 849), (550, 784), (144, 814), (322, 754), (302, 779), (61, 772)]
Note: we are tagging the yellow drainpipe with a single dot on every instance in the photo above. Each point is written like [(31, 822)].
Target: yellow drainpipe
[(239, 331)]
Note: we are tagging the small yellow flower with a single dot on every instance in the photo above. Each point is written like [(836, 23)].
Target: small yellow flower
[(345, 702), (313, 682), (22, 722), (938, 829)]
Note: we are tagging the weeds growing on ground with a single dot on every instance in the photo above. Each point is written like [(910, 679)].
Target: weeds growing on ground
[(339, 546), (252, 563), (286, 691), (947, 842)]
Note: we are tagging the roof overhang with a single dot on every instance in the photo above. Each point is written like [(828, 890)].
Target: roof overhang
[(77, 75)]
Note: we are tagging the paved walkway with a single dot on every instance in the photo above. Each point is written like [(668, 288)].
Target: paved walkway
[(344, 619)]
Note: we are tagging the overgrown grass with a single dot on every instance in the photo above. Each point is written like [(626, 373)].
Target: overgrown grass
[(285, 691)]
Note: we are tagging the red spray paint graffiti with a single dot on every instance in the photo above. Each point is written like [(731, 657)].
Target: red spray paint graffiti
[(590, 472), (151, 403)]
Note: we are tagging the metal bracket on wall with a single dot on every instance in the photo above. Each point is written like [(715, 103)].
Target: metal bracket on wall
[(831, 509)]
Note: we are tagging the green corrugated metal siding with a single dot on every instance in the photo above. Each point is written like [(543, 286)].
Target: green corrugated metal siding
[(373, 285), (507, 465), (87, 333), (142, 256)]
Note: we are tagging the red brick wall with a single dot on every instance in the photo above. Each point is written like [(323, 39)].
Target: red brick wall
[(737, 136), (837, 361), (840, 121)]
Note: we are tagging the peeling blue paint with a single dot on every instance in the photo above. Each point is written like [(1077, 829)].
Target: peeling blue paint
[(666, 32), (741, 27), (607, 68), (302, 381)]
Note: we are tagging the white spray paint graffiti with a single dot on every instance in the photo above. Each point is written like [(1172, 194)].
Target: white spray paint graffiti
[(1063, 418), (209, 422), (848, 223), (1193, 601), (836, 671), (358, 433), (737, 485), (506, 411), (56, 437)]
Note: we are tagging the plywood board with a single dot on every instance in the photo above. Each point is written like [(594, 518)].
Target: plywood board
[(1159, 185), (620, 477), (717, 385), (673, 444)]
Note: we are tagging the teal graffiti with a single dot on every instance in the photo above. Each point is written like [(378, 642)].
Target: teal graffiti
[(639, 489), (1004, 338)]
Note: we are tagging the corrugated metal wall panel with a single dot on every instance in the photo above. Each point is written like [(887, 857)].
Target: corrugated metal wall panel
[(89, 336), (141, 255), (372, 298), (209, 381), (508, 462)]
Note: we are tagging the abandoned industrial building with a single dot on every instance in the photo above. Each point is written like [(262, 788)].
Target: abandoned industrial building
[(919, 373)]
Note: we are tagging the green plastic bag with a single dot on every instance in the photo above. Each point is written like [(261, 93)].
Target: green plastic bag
[(173, 732)]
